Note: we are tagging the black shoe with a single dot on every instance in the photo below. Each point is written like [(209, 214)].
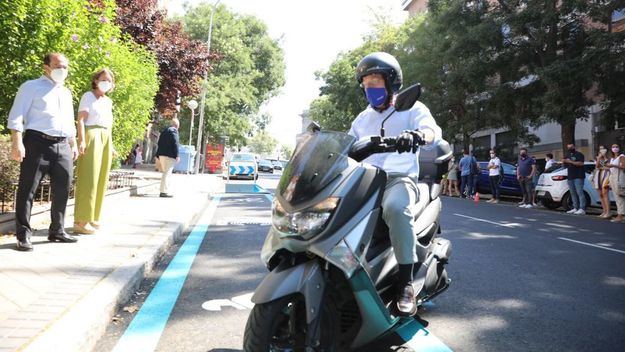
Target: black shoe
[(24, 245), (406, 302), (165, 195), (61, 237)]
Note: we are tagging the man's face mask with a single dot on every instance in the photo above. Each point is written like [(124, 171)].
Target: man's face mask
[(376, 96), (523, 154)]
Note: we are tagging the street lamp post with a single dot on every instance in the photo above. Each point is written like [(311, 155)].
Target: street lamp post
[(192, 104), (203, 103)]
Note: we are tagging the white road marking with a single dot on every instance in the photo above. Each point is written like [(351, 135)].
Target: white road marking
[(510, 225), (244, 221), (242, 302), (592, 245)]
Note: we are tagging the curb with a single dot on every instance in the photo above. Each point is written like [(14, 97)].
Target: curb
[(84, 323)]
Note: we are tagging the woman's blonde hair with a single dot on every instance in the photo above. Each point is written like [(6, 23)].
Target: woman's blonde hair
[(96, 76)]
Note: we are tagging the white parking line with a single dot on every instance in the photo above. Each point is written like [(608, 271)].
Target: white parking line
[(511, 225), (592, 245)]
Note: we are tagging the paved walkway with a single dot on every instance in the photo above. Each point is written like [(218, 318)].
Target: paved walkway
[(60, 297)]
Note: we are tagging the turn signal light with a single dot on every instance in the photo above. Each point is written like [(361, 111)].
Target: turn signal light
[(558, 178)]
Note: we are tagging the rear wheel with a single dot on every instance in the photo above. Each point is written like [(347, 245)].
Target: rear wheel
[(280, 325), (567, 201)]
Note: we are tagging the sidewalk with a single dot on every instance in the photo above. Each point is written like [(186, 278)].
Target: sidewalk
[(61, 297)]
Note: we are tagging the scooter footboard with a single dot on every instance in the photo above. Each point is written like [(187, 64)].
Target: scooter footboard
[(305, 278)]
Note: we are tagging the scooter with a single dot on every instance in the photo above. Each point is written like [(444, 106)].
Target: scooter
[(332, 270)]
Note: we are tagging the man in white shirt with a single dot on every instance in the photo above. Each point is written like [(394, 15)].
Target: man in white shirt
[(43, 141), (380, 77), (494, 176)]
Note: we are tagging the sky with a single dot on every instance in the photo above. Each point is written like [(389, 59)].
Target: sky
[(312, 34)]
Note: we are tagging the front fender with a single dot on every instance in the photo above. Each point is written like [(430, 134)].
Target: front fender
[(305, 278)]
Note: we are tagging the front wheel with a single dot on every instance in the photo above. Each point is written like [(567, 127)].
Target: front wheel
[(280, 325)]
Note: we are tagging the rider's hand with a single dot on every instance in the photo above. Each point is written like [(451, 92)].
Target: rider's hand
[(404, 142), (419, 139)]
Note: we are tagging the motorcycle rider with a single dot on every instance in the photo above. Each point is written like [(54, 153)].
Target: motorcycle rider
[(380, 78)]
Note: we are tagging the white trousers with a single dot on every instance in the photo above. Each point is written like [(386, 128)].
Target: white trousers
[(167, 167)]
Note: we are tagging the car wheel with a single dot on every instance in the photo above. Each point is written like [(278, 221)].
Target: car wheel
[(549, 204), (567, 201)]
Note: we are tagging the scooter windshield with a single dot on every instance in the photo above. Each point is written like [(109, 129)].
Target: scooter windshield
[(319, 158)]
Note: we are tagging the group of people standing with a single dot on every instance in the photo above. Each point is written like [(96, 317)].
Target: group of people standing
[(608, 176), (47, 140)]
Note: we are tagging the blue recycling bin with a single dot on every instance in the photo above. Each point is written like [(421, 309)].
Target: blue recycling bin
[(187, 159)]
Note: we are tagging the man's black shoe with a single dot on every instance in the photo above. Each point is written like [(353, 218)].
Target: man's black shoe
[(406, 302), (165, 195), (24, 244), (61, 237)]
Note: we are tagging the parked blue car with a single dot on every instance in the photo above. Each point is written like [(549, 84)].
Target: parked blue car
[(510, 185)]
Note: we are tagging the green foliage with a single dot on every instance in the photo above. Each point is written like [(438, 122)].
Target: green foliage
[(249, 71), (286, 151), (504, 64), (84, 32), (9, 169), (262, 143)]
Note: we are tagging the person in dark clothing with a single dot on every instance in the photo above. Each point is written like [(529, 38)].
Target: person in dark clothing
[(167, 154), (574, 163), (525, 171)]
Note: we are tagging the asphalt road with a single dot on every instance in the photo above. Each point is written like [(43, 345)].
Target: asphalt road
[(523, 280)]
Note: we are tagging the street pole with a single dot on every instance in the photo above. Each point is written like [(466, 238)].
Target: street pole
[(203, 103), (192, 104)]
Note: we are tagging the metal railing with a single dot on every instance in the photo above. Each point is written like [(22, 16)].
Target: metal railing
[(117, 179)]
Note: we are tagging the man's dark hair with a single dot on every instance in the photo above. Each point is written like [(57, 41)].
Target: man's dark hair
[(48, 58), (549, 155)]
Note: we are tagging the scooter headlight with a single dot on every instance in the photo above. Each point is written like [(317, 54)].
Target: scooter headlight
[(306, 223)]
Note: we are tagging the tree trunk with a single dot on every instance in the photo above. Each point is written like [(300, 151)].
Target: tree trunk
[(567, 134)]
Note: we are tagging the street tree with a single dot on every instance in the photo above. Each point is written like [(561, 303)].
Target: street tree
[(551, 52), (262, 143), (182, 60), (249, 72)]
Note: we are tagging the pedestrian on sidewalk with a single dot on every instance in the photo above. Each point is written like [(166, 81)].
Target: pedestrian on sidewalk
[(138, 156), (574, 163), (466, 174), (167, 153), (535, 179), (452, 178), (601, 181), (44, 142), (95, 145), (526, 168), (494, 176), (617, 181)]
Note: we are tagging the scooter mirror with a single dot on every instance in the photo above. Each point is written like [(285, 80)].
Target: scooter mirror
[(408, 97)]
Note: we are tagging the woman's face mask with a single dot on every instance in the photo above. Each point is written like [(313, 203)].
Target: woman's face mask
[(105, 86), (603, 151), (615, 150)]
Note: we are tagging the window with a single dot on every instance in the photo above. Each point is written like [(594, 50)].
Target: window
[(618, 15)]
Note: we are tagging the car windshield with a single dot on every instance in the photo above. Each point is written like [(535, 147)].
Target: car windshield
[(242, 157), (318, 159)]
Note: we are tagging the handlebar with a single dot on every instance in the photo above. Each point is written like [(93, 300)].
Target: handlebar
[(377, 144)]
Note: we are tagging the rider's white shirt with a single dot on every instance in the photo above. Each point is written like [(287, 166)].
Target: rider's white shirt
[(368, 124)]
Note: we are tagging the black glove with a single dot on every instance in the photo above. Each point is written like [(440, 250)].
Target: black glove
[(404, 142)]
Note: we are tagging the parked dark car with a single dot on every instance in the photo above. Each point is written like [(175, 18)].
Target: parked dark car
[(277, 165), (509, 186), (265, 166)]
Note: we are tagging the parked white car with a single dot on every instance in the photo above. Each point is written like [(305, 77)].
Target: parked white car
[(553, 189), (241, 165)]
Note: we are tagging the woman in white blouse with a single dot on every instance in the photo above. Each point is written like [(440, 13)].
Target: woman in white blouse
[(617, 180), (95, 145)]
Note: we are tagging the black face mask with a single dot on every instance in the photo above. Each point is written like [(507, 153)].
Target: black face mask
[(572, 150), (523, 155)]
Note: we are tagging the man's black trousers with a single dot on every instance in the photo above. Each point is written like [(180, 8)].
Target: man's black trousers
[(43, 157)]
